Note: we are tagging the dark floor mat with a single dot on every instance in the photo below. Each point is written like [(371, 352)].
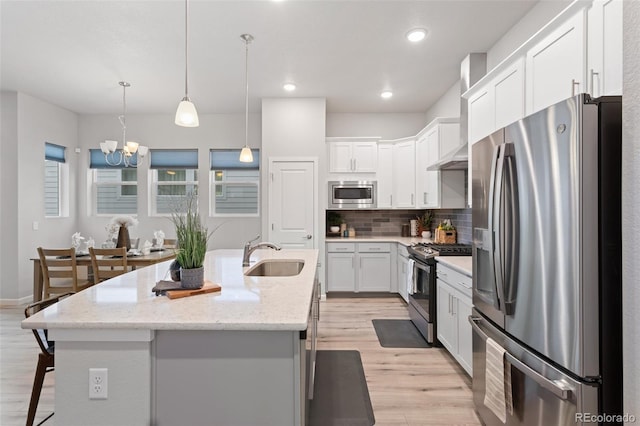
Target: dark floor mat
[(341, 395), (397, 333)]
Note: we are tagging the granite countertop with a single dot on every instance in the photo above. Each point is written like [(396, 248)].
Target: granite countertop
[(462, 264), (245, 303), (406, 241)]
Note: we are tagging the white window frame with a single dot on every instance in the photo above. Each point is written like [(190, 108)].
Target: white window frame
[(212, 194), (94, 184), (153, 189), (63, 191)]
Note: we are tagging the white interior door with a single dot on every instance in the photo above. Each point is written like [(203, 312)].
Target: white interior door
[(292, 203)]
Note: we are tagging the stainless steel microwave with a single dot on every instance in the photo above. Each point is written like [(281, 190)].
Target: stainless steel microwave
[(352, 195)]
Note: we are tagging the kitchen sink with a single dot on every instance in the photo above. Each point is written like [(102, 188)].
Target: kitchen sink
[(276, 268)]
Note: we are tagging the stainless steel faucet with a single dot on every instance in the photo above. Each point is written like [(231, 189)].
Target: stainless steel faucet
[(248, 249)]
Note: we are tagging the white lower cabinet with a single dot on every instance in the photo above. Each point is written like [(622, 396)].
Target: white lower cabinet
[(359, 267), (453, 309)]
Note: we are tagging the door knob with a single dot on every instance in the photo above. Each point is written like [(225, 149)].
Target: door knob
[(308, 237)]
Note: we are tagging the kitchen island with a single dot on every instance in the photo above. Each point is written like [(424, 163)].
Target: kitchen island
[(232, 358)]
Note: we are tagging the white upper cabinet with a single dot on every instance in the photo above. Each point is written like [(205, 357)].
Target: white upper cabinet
[(404, 173), (498, 102), (556, 65), (352, 156), (482, 118), (384, 176), (508, 95), (605, 48)]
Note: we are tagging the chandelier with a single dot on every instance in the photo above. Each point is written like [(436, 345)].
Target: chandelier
[(126, 156)]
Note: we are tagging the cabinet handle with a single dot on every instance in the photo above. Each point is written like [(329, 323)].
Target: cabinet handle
[(593, 90), (453, 306), (424, 196), (355, 164), (411, 199), (574, 83), (390, 200)]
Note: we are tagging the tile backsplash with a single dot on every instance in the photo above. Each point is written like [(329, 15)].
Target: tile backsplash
[(385, 223)]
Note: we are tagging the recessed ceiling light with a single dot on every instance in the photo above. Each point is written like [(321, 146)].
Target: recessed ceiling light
[(289, 87), (416, 35), (386, 94)]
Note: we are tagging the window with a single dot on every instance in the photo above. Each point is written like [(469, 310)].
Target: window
[(54, 177), (114, 188), (175, 178), (235, 186)]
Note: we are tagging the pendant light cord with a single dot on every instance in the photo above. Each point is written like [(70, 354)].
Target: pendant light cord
[(246, 99), (186, 48), (123, 117)]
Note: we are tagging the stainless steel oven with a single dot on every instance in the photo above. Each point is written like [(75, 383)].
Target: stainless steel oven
[(422, 297), (352, 194)]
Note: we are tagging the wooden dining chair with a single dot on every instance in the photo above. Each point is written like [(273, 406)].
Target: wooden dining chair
[(170, 243), (60, 272), (46, 357), (108, 263)]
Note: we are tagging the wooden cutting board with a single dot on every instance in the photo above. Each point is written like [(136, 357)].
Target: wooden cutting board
[(208, 287)]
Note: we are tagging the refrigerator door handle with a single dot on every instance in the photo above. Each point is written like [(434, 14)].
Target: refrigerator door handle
[(495, 195), (559, 388), (511, 229)]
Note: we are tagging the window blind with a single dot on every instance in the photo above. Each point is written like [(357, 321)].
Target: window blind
[(174, 159), (54, 152), (229, 159)]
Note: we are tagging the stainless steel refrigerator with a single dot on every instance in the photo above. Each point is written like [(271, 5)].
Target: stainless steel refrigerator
[(547, 263)]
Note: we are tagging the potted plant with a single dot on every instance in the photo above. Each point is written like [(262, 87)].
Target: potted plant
[(424, 224), (334, 220), (192, 237)]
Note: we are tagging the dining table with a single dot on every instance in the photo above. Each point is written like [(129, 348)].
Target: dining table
[(134, 261)]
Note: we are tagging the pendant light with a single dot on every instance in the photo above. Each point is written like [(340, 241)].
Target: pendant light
[(245, 155), (186, 115)]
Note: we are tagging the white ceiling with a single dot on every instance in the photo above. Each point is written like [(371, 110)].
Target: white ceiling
[(73, 53)]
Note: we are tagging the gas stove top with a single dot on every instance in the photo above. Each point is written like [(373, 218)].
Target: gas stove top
[(427, 250)]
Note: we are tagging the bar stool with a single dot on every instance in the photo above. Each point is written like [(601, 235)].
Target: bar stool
[(46, 357)]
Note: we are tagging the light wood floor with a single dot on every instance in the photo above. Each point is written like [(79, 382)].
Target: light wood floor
[(410, 387)]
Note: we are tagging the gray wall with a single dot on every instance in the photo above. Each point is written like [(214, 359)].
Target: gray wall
[(447, 106), (630, 210), (31, 122), (386, 125), (8, 194)]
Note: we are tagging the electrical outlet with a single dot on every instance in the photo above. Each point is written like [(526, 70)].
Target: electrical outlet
[(98, 383)]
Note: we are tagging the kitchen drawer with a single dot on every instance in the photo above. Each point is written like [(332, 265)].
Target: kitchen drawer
[(374, 247), (454, 278), (341, 247)]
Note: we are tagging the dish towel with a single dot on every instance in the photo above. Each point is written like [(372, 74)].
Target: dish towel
[(409, 283), (494, 397)]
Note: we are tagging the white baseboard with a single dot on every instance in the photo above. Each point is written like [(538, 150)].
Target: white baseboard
[(8, 303)]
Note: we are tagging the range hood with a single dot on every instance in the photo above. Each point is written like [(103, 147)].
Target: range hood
[(472, 69), (457, 159)]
